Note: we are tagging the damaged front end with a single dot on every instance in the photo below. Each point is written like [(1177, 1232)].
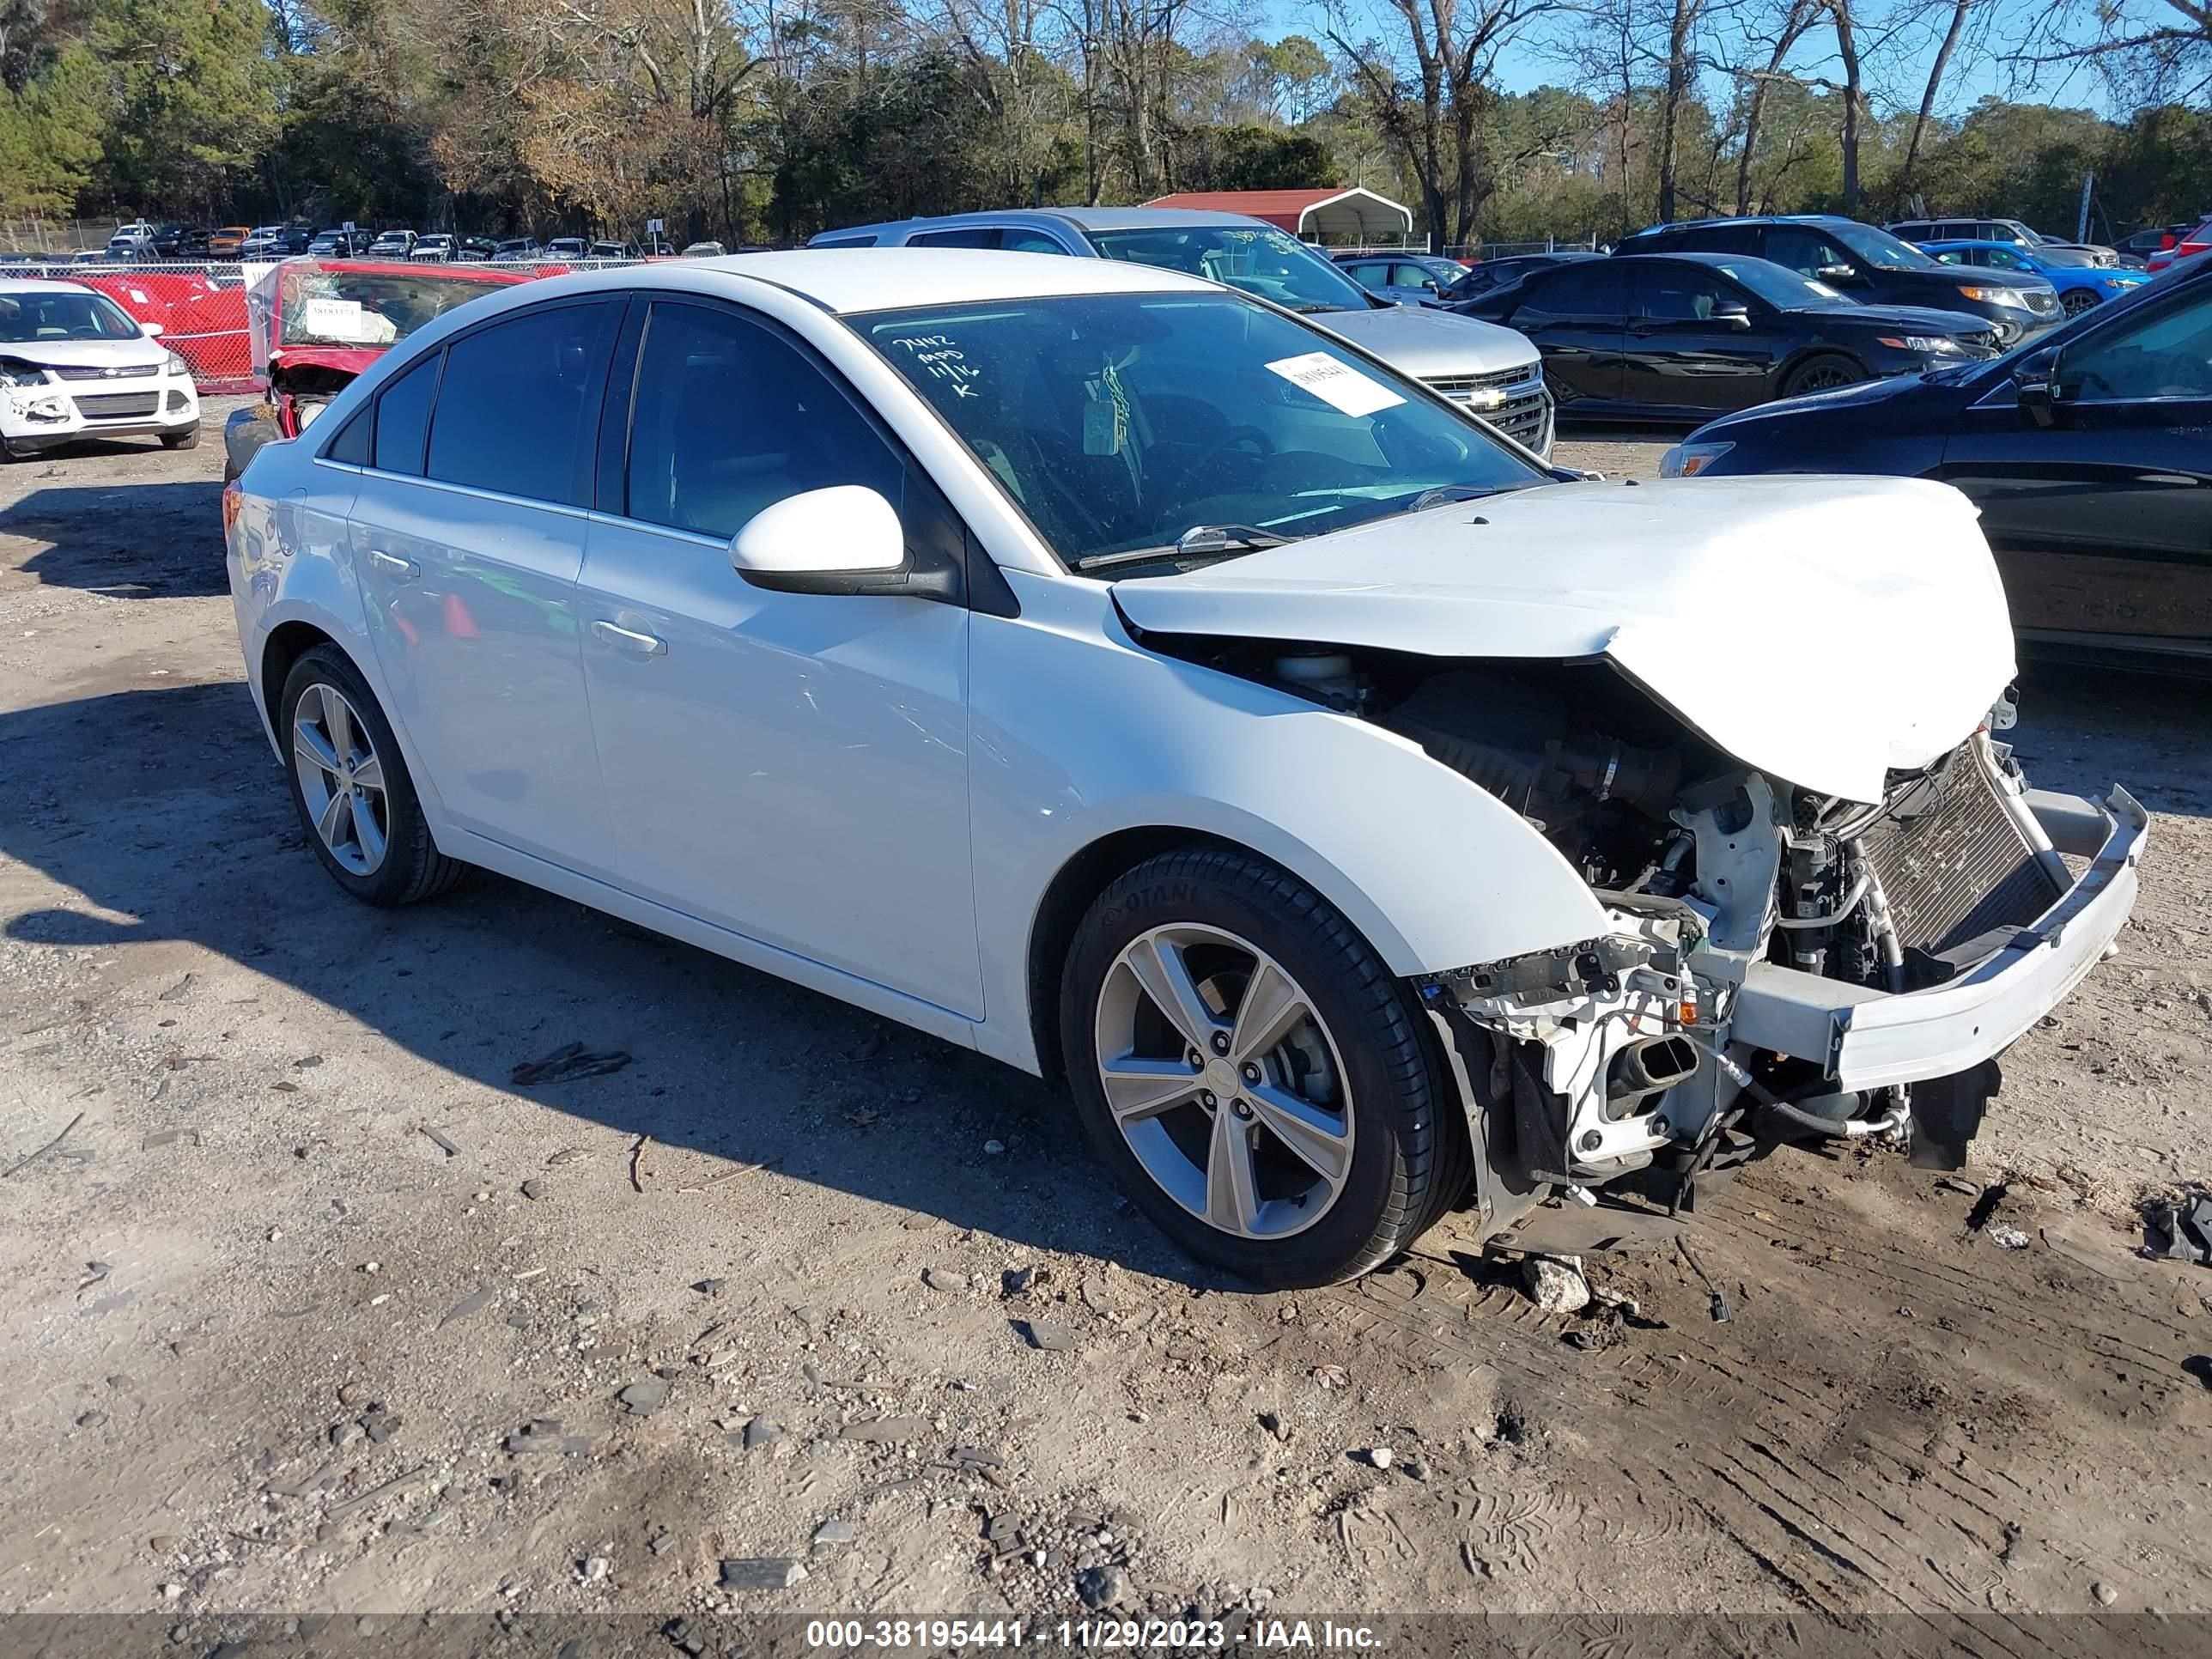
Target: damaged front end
[(1779, 966)]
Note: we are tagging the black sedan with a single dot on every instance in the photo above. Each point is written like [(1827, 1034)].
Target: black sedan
[(1686, 337), (2089, 452), (1868, 265)]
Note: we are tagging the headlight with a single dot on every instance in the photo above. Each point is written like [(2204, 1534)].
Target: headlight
[(1994, 296), (2118, 282), (1926, 344), (175, 365), (1687, 460), (21, 373)]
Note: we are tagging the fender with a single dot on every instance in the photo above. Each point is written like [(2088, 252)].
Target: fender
[(1434, 871)]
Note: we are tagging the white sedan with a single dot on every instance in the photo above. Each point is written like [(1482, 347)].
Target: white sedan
[(74, 365), (1116, 674)]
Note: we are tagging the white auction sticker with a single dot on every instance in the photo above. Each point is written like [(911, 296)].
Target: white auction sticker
[(1338, 384)]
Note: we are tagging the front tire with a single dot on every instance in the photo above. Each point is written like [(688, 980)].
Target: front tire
[(1822, 374), (356, 803), (2077, 300), (1259, 1082), (188, 439)]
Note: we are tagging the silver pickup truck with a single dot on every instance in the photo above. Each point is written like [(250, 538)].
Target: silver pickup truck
[(1492, 372)]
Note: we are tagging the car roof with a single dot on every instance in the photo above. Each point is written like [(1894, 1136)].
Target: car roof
[(41, 285), (1749, 219), (1083, 218), (850, 280)]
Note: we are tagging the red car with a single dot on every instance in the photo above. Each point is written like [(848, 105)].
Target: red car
[(316, 325), (2195, 242)]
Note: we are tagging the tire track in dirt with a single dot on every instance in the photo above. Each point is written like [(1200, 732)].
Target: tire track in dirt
[(1831, 1455)]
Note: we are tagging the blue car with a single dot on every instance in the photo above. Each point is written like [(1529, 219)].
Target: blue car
[(2080, 284)]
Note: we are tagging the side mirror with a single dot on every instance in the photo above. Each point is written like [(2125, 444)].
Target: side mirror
[(1838, 275), (2035, 383), (151, 331), (845, 539), (1732, 313)]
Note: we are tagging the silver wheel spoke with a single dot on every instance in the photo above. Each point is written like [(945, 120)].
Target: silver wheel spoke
[(366, 833), (1137, 1088), (1233, 1184), (369, 774), (337, 721), (1316, 1137), (1271, 1005), (1160, 969), (338, 810), (311, 746)]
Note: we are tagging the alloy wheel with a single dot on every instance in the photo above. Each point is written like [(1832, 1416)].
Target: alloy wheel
[(341, 778), (1823, 378), (1224, 1081)]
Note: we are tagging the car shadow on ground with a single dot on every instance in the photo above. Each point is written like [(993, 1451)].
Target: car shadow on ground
[(166, 811), (96, 536)]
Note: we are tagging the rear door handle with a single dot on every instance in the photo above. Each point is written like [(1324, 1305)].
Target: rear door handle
[(629, 640), (391, 564)]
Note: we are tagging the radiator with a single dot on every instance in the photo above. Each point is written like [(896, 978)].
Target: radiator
[(1954, 861)]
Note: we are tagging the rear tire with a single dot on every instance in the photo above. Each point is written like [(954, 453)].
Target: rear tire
[(1822, 374), (350, 787), (1332, 1141)]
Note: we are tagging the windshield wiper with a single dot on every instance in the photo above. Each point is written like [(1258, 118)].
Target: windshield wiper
[(1442, 492), (1198, 540)]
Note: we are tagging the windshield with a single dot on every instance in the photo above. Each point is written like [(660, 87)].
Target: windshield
[(1780, 286), (343, 308), (37, 317), (1257, 258), (1121, 422), (1878, 248)]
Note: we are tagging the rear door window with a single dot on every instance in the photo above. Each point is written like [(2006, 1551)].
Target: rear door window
[(519, 403), (1592, 290)]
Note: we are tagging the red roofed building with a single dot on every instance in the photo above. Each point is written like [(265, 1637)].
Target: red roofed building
[(1354, 215)]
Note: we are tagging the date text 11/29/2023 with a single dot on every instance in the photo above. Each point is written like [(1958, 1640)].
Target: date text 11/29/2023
[(931, 1635)]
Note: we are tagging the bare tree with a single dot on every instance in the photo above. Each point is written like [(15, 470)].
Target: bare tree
[(1854, 89), (1960, 8), (1681, 68), (1791, 29), (1431, 112)]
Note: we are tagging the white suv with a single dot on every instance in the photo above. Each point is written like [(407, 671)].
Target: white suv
[(74, 364)]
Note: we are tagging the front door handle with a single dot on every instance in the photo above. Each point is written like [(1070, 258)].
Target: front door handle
[(392, 565), (629, 640)]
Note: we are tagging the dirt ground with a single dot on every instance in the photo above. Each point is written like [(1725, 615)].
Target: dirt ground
[(312, 1308)]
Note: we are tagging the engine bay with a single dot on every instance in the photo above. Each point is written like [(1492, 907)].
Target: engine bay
[(1611, 1057)]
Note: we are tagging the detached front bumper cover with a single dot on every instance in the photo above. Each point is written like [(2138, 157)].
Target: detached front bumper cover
[(1871, 1039)]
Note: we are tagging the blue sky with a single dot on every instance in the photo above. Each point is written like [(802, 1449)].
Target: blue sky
[(1976, 72)]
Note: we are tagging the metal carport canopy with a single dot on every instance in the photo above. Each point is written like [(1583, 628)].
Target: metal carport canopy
[(1338, 215)]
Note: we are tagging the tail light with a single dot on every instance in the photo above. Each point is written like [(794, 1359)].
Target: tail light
[(234, 501)]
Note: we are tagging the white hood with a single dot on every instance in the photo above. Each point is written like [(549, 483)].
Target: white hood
[(1823, 630), (142, 356)]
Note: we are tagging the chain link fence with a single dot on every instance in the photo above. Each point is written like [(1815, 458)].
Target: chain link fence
[(1478, 251)]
